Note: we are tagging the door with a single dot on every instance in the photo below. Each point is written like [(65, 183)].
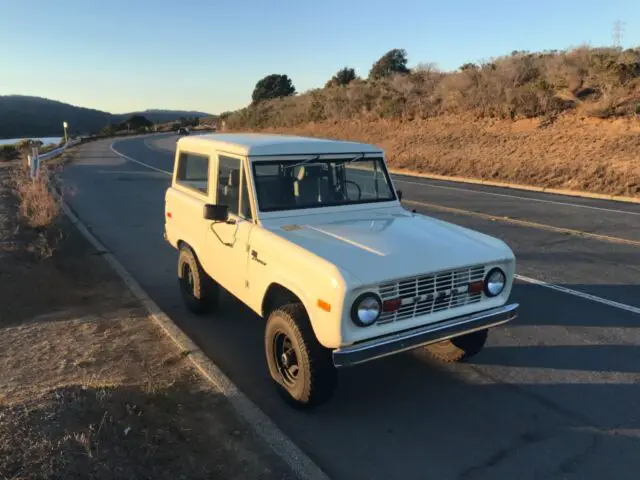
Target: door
[(186, 200), (227, 243)]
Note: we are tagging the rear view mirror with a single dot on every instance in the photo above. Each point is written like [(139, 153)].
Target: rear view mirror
[(399, 192), (216, 213)]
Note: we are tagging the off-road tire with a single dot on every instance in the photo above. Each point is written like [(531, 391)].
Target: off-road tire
[(458, 348), (200, 294), (317, 376)]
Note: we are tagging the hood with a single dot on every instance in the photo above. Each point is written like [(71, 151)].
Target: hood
[(383, 245)]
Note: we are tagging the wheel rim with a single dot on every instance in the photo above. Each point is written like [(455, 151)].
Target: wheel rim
[(285, 358)]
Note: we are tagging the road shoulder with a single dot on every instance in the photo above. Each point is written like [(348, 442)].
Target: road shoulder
[(90, 386)]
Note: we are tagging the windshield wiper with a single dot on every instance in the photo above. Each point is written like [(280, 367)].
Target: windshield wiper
[(302, 163), (355, 159)]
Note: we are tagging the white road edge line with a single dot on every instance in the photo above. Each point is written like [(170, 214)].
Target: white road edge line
[(568, 291), (578, 293), (266, 429), (519, 197), (112, 148)]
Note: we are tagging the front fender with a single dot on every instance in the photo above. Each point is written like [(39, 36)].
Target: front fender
[(313, 293)]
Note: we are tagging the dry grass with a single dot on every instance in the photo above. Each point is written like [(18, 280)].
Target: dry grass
[(91, 388), (38, 208)]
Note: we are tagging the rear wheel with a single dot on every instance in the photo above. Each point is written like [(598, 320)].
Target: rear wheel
[(199, 292), (301, 368), (458, 348)]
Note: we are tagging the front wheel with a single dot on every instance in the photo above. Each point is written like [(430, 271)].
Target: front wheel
[(458, 348), (301, 368), (199, 292)]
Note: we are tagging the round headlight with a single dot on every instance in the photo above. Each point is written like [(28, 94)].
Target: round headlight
[(366, 309), (494, 282)]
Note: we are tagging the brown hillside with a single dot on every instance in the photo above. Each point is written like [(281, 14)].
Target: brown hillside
[(564, 119), (585, 154)]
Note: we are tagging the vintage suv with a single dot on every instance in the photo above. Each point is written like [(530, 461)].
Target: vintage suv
[(311, 235)]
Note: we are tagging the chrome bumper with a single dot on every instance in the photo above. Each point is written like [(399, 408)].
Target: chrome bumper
[(421, 336)]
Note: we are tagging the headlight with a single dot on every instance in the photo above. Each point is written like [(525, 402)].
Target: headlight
[(366, 309), (494, 282)]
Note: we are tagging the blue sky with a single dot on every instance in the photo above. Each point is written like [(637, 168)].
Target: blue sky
[(207, 55)]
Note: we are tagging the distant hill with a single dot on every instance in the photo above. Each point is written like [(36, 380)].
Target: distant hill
[(163, 116), (24, 116)]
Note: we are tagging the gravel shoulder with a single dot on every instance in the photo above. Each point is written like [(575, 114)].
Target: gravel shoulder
[(90, 387)]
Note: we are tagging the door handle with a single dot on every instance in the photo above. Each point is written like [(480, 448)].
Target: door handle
[(254, 256)]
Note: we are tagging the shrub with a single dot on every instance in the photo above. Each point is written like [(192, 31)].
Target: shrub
[(601, 81), (343, 77), (8, 153)]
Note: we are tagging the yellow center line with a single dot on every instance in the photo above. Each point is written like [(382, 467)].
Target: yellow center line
[(526, 223)]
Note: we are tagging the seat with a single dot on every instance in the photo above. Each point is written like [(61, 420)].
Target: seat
[(310, 185), (229, 192), (275, 192)]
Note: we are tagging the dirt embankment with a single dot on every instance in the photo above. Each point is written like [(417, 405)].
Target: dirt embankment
[(89, 386), (574, 153)]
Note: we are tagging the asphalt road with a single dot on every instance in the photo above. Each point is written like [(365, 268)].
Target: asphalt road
[(554, 395)]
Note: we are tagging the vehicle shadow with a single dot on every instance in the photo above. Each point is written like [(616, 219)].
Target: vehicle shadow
[(407, 416), (560, 309)]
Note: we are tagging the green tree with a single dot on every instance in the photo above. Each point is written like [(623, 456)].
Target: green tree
[(392, 62), (343, 77), (272, 86)]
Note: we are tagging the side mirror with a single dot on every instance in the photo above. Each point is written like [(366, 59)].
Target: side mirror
[(399, 192), (216, 213)]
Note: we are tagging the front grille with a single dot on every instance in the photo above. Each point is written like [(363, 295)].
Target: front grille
[(431, 293)]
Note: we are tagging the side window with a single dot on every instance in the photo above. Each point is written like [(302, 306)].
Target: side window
[(232, 184), (193, 171), (229, 183)]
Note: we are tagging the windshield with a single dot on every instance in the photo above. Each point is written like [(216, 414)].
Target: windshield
[(295, 184)]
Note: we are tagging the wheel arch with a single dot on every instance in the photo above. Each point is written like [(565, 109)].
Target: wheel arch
[(182, 244), (277, 295)]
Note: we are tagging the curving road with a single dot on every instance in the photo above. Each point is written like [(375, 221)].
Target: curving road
[(554, 395)]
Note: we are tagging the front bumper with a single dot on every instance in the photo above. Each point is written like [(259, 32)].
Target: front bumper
[(421, 336)]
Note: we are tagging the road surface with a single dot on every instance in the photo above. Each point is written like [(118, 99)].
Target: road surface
[(554, 395)]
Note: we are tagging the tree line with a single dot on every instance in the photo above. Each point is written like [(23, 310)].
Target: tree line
[(277, 85)]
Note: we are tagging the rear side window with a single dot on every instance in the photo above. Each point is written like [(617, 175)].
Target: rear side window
[(193, 171)]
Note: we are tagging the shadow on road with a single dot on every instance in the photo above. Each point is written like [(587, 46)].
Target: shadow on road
[(508, 407)]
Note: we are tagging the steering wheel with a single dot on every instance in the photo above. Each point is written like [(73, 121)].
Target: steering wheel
[(357, 186)]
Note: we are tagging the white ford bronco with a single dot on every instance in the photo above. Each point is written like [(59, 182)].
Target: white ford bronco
[(311, 235)]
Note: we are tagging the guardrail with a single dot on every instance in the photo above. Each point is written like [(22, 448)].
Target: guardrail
[(35, 159)]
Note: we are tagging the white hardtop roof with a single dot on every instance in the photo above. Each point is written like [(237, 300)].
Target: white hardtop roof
[(260, 144)]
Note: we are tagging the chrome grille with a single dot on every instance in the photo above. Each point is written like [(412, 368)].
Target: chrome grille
[(431, 293)]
